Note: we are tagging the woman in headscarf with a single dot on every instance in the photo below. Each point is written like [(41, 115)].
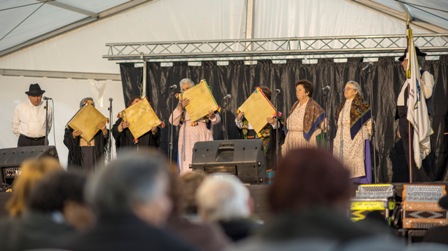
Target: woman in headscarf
[(354, 127)]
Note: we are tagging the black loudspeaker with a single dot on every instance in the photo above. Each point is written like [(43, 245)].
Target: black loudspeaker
[(12, 158), (243, 158)]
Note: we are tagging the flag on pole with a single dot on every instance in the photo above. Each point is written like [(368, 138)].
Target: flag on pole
[(417, 113)]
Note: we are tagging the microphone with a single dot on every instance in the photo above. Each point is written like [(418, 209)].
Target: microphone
[(366, 67), (47, 98), (228, 96), (326, 88), (172, 87)]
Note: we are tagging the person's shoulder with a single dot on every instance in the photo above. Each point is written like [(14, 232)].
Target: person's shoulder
[(22, 104), (170, 241), (256, 243)]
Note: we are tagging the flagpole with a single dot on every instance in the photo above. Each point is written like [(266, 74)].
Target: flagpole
[(408, 76)]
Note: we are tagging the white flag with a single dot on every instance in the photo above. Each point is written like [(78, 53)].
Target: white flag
[(417, 111)]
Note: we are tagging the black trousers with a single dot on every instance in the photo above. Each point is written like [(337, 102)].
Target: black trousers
[(418, 174), (27, 141)]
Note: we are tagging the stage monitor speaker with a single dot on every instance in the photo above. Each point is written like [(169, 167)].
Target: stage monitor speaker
[(12, 158), (243, 158)]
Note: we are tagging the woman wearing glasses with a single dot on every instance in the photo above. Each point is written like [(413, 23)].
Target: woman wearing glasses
[(354, 128)]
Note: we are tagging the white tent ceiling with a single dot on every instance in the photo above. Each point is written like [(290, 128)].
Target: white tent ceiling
[(26, 22)]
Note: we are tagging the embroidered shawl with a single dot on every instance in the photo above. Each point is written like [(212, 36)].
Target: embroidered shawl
[(359, 114), (314, 115)]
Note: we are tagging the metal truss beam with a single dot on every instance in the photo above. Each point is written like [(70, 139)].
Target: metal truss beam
[(279, 48)]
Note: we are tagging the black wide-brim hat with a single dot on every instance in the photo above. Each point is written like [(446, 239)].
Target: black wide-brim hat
[(417, 50), (35, 90)]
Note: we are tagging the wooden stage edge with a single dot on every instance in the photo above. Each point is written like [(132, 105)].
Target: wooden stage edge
[(261, 207), (258, 193)]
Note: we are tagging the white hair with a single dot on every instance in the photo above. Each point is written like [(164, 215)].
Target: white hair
[(356, 86), (132, 178), (186, 81), (223, 197)]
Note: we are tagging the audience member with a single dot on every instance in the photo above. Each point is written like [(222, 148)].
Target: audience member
[(62, 193), (310, 201), (50, 214), (438, 234), (130, 199), (31, 171), (184, 220), (224, 199)]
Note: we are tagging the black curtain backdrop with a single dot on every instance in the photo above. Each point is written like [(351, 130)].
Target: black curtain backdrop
[(380, 83)]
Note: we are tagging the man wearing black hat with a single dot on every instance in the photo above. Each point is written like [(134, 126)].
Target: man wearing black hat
[(30, 118), (427, 85)]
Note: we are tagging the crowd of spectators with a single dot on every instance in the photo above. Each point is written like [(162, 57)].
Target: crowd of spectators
[(137, 202)]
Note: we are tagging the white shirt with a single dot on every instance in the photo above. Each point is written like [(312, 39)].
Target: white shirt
[(427, 84), (29, 120)]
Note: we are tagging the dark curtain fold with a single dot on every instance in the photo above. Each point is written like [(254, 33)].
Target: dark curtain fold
[(131, 78), (380, 84)]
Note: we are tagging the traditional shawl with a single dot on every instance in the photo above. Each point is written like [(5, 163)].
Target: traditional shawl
[(314, 115), (264, 134), (205, 119), (359, 114)]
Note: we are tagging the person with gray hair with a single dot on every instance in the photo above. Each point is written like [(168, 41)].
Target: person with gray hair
[(83, 154), (224, 199), (130, 199), (354, 128), (190, 132)]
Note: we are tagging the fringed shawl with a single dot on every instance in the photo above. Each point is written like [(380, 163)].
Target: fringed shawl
[(359, 114), (314, 115)]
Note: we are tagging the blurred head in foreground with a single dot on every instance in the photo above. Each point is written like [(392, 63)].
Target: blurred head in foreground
[(310, 178), (134, 183), (31, 172)]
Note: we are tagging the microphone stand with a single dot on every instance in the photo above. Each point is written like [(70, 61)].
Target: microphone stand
[(109, 141), (277, 125), (46, 122), (326, 120), (171, 129), (224, 124), (372, 118)]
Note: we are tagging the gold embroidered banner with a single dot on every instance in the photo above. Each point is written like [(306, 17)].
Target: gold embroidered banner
[(141, 118), (86, 120), (201, 101), (257, 108)]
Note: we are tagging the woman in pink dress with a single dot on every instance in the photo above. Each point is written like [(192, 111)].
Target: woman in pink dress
[(190, 132)]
